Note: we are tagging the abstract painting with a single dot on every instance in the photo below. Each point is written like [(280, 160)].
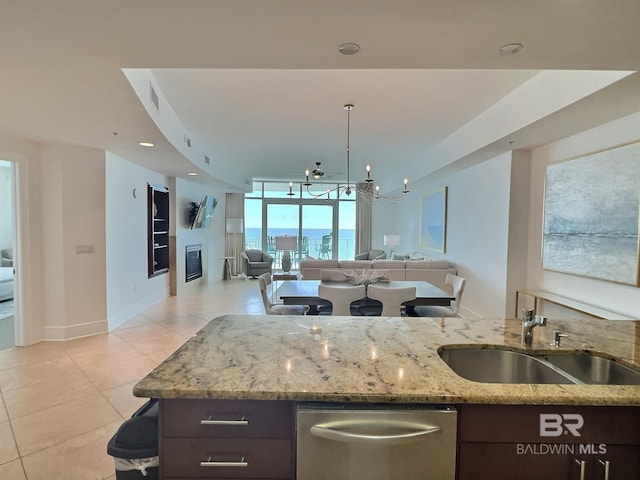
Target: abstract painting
[(433, 227), (591, 215)]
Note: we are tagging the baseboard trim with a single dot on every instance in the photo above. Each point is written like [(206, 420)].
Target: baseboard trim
[(69, 332), (114, 321)]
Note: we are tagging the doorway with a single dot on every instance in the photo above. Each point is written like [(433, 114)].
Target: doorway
[(7, 265), (314, 224)]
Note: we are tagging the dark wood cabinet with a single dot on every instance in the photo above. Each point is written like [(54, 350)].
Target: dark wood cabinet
[(503, 442), (222, 439), (157, 230), (255, 439)]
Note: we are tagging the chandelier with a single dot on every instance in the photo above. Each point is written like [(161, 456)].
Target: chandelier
[(365, 190)]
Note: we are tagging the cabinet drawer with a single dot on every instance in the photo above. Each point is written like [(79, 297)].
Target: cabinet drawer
[(507, 461), (227, 419), (538, 424), (499, 461), (184, 457)]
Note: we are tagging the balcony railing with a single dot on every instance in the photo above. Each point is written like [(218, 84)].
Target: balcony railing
[(346, 251)]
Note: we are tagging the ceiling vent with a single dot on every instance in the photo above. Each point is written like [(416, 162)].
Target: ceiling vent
[(154, 98)]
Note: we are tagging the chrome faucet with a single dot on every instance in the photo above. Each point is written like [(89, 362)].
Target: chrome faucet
[(529, 321)]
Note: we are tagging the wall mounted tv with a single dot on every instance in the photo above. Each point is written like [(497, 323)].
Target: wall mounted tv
[(202, 213)]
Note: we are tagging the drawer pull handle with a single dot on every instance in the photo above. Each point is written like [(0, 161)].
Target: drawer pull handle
[(605, 464), (412, 433), (582, 464), (210, 421), (210, 463)]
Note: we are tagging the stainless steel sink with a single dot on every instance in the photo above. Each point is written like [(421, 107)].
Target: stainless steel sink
[(593, 369), (500, 366), (507, 366)]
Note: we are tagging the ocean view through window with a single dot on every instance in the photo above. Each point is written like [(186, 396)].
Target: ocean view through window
[(324, 228)]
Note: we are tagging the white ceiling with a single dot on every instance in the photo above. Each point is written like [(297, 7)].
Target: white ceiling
[(261, 84)]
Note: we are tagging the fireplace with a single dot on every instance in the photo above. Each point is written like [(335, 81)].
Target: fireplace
[(193, 262)]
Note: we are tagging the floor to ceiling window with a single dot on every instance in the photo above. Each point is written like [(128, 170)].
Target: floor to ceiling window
[(323, 228)]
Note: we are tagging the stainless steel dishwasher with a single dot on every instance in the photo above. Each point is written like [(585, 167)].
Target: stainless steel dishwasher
[(381, 442)]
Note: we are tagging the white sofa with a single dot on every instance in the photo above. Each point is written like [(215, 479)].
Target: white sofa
[(432, 271)]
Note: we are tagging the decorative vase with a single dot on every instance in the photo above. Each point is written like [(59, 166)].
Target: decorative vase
[(286, 262)]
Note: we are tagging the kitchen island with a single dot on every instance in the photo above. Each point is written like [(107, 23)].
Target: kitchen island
[(377, 359), (270, 365)]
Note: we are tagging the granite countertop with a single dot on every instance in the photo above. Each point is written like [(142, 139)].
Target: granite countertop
[(376, 359)]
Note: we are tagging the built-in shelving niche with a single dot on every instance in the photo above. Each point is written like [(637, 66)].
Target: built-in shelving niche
[(158, 229)]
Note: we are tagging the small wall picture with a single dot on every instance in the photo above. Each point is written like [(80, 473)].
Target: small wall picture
[(591, 215), (433, 220)]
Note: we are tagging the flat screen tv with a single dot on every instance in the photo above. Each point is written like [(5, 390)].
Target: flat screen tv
[(202, 213)]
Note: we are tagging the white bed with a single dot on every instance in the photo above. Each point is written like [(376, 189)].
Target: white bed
[(6, 283)]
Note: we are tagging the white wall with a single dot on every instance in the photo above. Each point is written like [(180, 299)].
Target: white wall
[(477, 231), (624, 299), (494, 227), (73, 208), (70, 196), (385, 210), (518, 231), (212, 238), (129, 290)]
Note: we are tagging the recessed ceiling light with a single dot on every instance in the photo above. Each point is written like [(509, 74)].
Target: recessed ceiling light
[(349, 48), (192, 174), (146, 144), (510, 48)]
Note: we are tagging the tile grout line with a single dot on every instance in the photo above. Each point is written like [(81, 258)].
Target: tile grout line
[(13, 434), (98, 389), (186, 310), (21, 455)]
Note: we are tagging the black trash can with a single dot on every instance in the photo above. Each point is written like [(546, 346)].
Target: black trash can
[(135, 445)]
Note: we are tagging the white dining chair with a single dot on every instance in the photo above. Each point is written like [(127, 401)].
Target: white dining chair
[(271, 308), (341, 297), (391, 298), (457, 284)]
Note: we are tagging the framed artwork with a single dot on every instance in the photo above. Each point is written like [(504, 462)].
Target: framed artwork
[(433, 221), (591, 215)]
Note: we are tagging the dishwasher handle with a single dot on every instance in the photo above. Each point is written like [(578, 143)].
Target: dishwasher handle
[(413, 435)]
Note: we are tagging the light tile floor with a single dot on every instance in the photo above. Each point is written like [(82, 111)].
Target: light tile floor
[(62, 401)]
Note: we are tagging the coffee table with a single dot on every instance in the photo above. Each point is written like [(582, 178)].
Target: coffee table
[(280, 275)]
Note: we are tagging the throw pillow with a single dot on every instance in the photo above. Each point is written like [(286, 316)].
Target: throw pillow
[(364, 276)]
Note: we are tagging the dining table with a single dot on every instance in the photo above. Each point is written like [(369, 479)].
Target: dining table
[(305, 292)]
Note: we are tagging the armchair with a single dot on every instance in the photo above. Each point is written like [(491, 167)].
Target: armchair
[(256, 262), (371, 255), (7, 257)]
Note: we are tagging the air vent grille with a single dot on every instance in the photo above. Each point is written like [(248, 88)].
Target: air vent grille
[(154, 98)]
